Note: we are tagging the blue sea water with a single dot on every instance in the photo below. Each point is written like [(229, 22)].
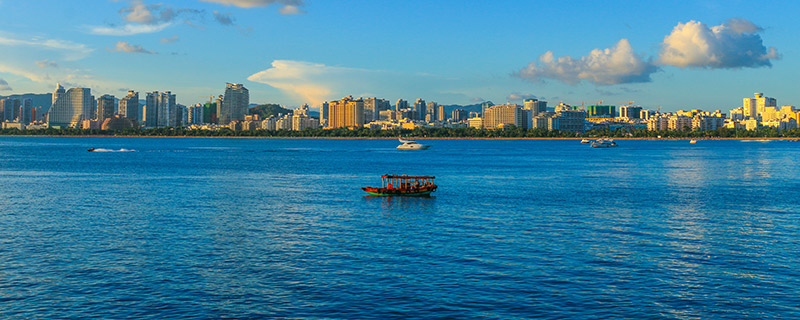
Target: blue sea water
[(179, 228)]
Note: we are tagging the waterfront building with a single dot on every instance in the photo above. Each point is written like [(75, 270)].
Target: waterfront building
[(346, 113), (167, 113), (400, 105), (323, 115), (149, 113), (630, 112), (501, 116), (753, 107), (657, 123), (570, 120), (431, 111), (269, 123), (129, 106), (26, 111), (705, 122), (545, 120), (440, 114), (8, 106), (475, 122), (234, 104), (70, 107), (301, 120), (459, 115), (373, 107), (195, 114), (601, 111), (536, 106), (105, 107), (419, 109), (118, 122), (679, 123)]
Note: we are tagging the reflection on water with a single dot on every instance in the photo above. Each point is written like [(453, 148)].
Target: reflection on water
[(402, 207)]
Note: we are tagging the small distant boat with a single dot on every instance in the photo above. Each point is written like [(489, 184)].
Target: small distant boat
[(403, 185), (90, 149), (586, 141), (603, 143), (693, 141), (411, 145)]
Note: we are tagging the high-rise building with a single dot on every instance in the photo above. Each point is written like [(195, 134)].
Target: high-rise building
[(431, 111), (503, 115), (597, 111), (168, 114), (150, 113), (535, 106), (70, 107), (8, 106), (26, 111), (440, 115), (346, 113), (460, 115), (753, 107), (234, 104), (373, 107), (323, 114), (419, 109), (630, 112), (105, 107), (195, 114), (400, 105), (129, 106)]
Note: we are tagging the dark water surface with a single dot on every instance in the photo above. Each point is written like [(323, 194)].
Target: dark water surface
[(274, 228)]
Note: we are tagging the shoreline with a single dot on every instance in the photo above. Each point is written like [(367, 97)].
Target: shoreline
[(415, 138)]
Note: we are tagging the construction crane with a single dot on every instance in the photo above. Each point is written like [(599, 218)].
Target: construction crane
[(630, 102)]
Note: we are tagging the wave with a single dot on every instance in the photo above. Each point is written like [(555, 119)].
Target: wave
[(112, 150)]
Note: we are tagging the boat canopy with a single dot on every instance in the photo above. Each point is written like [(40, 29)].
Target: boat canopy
[(392, 181)]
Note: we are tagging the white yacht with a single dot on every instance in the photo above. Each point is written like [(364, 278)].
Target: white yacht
[(411, 145), (603, 143)]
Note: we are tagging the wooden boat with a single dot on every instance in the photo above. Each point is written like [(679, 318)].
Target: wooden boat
[(403, 185)]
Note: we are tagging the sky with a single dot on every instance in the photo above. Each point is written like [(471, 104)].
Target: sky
[(669, 54)]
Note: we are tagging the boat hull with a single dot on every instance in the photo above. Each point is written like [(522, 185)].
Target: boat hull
[(384, 192)]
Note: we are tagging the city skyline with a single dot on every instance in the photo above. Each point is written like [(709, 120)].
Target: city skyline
[(690, 55)]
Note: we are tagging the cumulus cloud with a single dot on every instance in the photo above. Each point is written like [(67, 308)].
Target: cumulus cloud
[(734, 44), (516, 96), (124, 46), (4, 85), (223, 18), (147, 14), (46, 63), (616, 65), (477, 99), (289, 6)]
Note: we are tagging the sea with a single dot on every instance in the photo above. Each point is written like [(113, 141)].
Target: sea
[(215, 228)]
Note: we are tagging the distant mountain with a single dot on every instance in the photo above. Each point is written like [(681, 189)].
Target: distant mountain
[(39, 99), (469, 108), (267, 110)]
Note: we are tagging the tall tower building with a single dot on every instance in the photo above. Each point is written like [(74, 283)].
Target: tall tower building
[(26, 111), (502, 116), (440, 115), (536, 106), (71, 107), (431, 110), (129, 106), (105, 107), (419, 108), (346, 113), (373, 107), (401, 104), (235, 103), (8, 106), (167, 111), (150, 113), (754, 107)]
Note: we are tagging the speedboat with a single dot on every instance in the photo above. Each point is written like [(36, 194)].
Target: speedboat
[(603, 143), (586, 141), (693, 141), (409, 186), (411, 145), (90, 149)]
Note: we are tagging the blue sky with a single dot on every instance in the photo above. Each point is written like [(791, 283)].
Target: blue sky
[(673, 54)]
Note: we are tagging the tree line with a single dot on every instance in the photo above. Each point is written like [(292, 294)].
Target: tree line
[(511, 132)]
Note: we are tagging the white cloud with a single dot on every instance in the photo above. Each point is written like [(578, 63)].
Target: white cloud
[(290, 10), (147, 14), (128, 29), (124, 46), (70, 50), (314, 83), (616, 65), (46, 64), (4, 86), (170, 39), (289, 6), (33, 76), (734, 44), (516, 96)]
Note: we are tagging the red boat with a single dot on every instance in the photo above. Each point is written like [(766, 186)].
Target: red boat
[(396, 185)]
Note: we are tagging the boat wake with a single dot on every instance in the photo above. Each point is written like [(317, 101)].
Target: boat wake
[(112, 150)]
